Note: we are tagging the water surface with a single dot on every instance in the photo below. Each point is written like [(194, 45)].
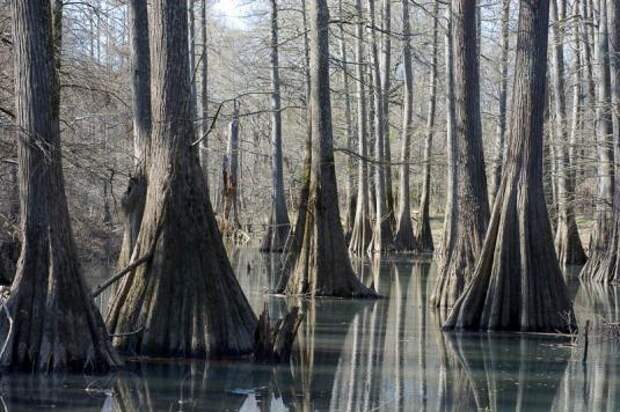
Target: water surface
[(386, 355)]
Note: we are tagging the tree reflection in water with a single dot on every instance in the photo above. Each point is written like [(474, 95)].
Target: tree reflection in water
[(351, 355)]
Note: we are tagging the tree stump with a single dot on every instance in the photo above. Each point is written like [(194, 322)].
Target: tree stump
[(274, 340)]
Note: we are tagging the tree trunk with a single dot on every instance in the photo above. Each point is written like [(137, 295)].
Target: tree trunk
[(500, 137), (578, 108), (602, 230), (608, 266), (567, 240), (382, 234), (361, 232), (279, 224), (322, 265), (57, 327), (424, 235), (191, 41), (386, 86), (204, 94), (132, 203), (517, 284), (587, 28), (350, 197), (404, 239), (294, 243), (450, 208), (470, 205), (230, 177), (189, 270)]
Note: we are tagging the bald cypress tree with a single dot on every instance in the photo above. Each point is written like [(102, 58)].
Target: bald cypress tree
[(517, 284), (468, 203), (602, 229), (134, 197), (424, 235), (320, 261), (361, 231), (57, 327), (189, 268), (404, 239), (607, 267), (567, 240), (279, 223)]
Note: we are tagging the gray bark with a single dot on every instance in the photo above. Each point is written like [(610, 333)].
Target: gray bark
[(294, 243), (450, 208), (567, 240), (191, 40), (517, 284), (602, 230), (204, 93), (279, 224), (470, 205), (500, 137), (386, 67), (404, 239), (57, 327), (230, 177), (189, 269), (424, 236), (350, 196), (361, 232), (322, 265), (382, 233), (132, 203), (607, 269)]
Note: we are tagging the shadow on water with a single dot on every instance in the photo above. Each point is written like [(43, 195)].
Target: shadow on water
[(388, 355)]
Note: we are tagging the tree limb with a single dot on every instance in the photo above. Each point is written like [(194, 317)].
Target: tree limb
[(122, 273)]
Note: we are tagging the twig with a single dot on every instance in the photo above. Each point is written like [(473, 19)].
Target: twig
[(204, 136), (132, 265), (122, 273)]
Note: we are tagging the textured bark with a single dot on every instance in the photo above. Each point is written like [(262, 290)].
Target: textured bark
[(191, 41), (294, 243), (321, 263), (382, 233), (350, 196), (602, 230), (229, 221), (469, 214), (587, 29), (189, 270), (450, 208), (57, 326), (279, 223), (578, 108), (607, 267), (204, 93), (404, 239), (133, 200), (517, 284), (424, 235), (500, 137), (361, 232), (274, 340), (567, 240), (386, 67)]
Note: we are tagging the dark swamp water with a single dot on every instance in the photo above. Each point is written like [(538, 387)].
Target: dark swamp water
[(385, 355)]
